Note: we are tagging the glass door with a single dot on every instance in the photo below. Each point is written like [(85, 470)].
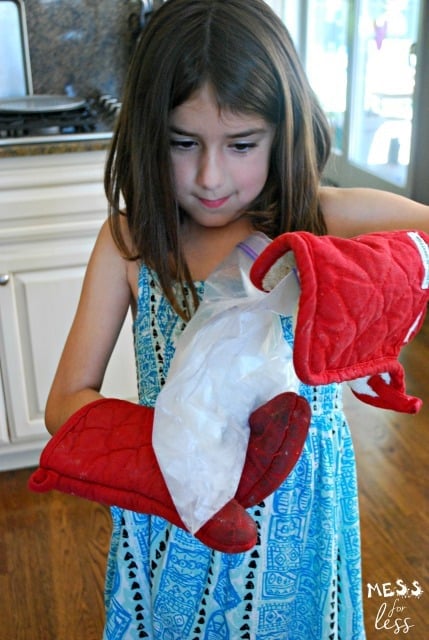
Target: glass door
[(326, 60), (360, 56), (382, 94), (290, 11)]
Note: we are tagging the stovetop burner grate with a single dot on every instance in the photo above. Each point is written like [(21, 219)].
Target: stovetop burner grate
[(82, 120), (94, 119)]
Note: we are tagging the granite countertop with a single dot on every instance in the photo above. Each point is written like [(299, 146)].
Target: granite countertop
[(77, 49), (47, 148)]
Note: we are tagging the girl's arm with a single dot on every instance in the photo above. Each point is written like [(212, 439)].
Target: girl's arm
[(103, 305), (351, 212)]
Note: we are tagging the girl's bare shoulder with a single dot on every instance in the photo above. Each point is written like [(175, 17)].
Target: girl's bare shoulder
[(349, 212), (109, 258)]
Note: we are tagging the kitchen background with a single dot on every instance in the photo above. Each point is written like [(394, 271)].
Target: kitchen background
[(52, 204), (81, 47), (63, 66), (368, 61)]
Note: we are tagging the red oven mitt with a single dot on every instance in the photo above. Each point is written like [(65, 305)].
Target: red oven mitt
[(104, 452), (361, 301)]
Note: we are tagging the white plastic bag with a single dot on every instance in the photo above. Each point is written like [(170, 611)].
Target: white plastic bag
[(231, 359)]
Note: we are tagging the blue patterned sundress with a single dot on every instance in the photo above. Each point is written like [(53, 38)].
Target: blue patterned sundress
[(303, 579)]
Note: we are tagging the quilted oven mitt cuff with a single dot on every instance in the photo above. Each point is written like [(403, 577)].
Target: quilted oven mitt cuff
[(103, 452), (362, 300)]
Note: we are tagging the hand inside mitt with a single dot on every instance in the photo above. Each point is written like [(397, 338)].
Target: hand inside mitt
[(104, 452), (361, 301)]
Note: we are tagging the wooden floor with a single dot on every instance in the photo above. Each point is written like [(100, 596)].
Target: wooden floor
[(393, 460), (53, 547)]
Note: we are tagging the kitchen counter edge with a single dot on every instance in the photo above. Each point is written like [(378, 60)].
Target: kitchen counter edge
[(50, 148)]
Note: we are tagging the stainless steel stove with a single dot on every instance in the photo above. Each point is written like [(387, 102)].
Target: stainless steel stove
[(45, 119), (28, 118)]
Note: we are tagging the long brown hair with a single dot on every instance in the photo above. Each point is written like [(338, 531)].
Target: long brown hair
[(246, 54)]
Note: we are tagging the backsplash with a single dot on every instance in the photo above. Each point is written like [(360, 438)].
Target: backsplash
[(81, 47)]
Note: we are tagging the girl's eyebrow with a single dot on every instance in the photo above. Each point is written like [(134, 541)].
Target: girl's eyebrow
[(249, 132), (241, 134)]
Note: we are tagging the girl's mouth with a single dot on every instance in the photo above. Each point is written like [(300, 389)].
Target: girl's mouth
[(213, 204)]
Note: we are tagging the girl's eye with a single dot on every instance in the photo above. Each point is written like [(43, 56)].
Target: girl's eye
[(182, 144), (243, 147)]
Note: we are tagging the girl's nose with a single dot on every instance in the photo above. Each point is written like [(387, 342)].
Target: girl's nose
[(210, 170)]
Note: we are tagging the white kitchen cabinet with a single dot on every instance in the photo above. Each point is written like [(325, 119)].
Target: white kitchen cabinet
[(50, 211), (4, 437)]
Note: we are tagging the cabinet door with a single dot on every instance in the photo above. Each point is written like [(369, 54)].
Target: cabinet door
[(36, 310), (4, 436)]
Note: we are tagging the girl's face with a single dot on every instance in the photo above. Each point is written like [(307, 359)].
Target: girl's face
[(220, 159)]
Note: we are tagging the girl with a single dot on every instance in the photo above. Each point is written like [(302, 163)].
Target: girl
[(220, 135)]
